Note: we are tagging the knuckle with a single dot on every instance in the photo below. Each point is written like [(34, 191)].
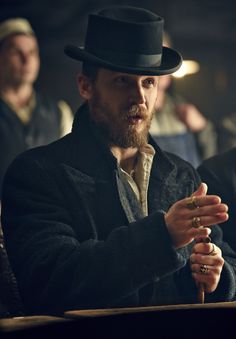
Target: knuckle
[(210, 289), (221, 261)]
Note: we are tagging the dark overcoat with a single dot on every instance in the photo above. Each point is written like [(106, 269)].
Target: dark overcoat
[(76, 236)]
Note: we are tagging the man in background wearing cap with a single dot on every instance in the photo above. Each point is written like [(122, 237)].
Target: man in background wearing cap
[(26, 118), (103, 217)]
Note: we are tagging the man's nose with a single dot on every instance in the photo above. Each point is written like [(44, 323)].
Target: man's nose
[(137, 94)]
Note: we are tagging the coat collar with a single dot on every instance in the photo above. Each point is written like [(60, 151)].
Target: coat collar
[(97, 159)]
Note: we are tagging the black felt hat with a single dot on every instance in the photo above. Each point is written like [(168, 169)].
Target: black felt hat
[(127, 39)]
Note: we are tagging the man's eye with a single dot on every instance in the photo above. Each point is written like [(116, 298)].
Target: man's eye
[(149, 82)]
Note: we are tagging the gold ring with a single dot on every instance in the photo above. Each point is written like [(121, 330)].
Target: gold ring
[(196, 222), (204, 269), (205, 240), (191, 203), (213, 251)]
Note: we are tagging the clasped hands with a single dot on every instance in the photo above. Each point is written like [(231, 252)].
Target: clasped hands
[(190, 219)]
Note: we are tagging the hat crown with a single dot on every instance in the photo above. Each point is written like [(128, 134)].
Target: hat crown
[(127, 29), (129, 14)]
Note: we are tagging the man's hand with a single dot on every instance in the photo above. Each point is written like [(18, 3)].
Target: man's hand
[(184, 223), (206, 264), (191, 117)]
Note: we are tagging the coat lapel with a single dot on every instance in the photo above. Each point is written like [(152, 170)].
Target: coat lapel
[(164, 190)]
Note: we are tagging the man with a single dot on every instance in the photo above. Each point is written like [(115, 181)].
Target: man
[(27, 119), (102, 217), (219, 172)]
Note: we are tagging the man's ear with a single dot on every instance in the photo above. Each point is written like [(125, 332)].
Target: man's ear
[(84, 86)]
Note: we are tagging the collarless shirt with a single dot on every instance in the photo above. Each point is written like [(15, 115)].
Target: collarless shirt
[(140, 175)]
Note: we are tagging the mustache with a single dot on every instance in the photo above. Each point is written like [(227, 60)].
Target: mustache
[(135, 110)]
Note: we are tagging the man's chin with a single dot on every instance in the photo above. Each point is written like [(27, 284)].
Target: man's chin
[(129, 140)]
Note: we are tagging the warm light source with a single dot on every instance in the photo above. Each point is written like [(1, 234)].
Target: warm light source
[(187, 67)]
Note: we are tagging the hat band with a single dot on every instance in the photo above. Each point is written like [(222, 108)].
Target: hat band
[(129, 59)]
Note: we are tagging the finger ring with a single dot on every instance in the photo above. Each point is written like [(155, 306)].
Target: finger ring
[(191, 203), (204, 269), (213, 251), (196, 222), (206, 240)]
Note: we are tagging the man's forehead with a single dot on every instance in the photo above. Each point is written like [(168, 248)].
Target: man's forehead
[(110, 73), (16, 39)]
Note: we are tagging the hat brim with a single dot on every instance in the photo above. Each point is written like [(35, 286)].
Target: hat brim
[(170, 63)]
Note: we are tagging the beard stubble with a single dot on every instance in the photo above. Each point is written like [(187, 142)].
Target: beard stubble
[(116, 128)]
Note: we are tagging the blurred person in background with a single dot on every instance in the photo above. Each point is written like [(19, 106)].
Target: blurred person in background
[(178, 126), (27, 119)]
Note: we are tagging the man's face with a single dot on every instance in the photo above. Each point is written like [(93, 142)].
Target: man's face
[(19, 60), (122, 105)]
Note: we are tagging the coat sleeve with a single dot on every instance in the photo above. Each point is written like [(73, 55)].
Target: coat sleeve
[(55, 271)]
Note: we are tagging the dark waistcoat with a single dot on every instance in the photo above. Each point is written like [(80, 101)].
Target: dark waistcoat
[(16, 137)]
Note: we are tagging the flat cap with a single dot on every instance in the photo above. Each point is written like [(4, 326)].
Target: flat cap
[(15, 26)]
